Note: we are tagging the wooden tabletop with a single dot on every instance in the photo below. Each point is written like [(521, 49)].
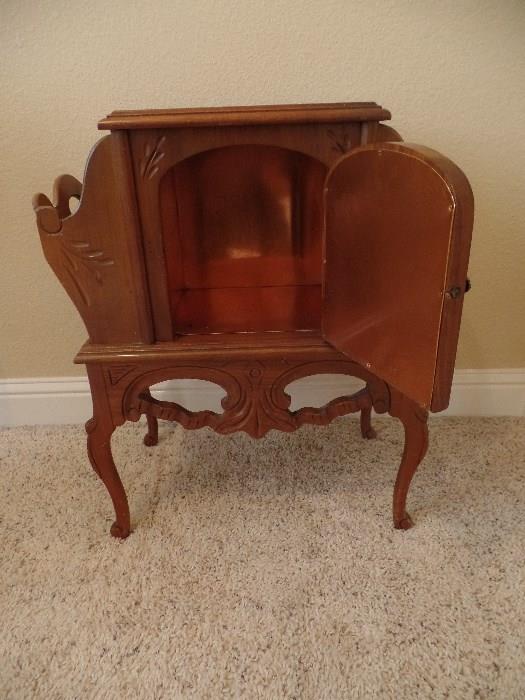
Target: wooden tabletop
[(230, 116)]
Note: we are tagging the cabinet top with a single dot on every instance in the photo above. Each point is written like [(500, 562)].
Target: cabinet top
[(244, 116)]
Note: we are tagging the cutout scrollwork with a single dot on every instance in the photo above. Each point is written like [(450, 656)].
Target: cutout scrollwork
[(256, 400)]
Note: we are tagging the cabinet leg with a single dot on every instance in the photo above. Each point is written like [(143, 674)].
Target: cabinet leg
[(152, 436), (99, 431), (414, 420), (366, 424)]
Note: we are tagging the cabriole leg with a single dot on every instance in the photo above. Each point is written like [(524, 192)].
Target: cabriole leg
[(99, 430), (414, 420)]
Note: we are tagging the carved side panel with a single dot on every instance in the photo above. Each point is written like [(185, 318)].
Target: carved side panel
[(95, 252)]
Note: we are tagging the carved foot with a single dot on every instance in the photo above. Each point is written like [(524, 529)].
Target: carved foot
[(119, 531), (414, 419), (366, 424), (405, 523)]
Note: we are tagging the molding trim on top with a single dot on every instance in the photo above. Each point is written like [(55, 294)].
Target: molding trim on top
[(64, 400)]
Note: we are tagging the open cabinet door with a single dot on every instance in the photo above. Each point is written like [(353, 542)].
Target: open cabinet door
[(397, 240)]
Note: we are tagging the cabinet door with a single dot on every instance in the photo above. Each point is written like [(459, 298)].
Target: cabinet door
[(397, 239)]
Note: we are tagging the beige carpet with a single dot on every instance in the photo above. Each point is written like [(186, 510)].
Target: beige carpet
[(265, 569)]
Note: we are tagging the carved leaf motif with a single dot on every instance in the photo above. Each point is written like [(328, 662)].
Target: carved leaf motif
[(90, 258), (93, 261), (341, 141), (153, 154)]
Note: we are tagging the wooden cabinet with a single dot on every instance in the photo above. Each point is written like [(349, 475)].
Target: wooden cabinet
[(254, 246)]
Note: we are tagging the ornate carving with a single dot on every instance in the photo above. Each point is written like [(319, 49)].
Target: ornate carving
[(91, 250), (117, 372), (90, 258), (341, 140), (153, 154), (255, 401), (50, 215), (66, 243)]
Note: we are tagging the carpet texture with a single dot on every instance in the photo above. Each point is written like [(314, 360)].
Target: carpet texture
[(265, 569)]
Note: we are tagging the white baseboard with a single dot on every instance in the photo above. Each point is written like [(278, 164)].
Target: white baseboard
[(62, 400)]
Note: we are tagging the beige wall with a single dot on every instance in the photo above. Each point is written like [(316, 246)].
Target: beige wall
[(452, 73)]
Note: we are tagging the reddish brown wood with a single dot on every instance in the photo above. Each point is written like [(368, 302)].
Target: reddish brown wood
[(385, 133), (277, 213), (152, 436), (197, 252), (239, 206), (414, 420), (241, 116), (255, 403), (99, 430), (398, 223), (256, 400), (367, 431)]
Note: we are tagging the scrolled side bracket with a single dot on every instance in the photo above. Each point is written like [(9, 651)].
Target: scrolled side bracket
[(50, 215)]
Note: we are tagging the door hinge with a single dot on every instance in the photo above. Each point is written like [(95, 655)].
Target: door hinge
[(455, 292)]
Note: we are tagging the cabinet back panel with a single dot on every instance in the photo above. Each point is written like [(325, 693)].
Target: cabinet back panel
[(243, 216)]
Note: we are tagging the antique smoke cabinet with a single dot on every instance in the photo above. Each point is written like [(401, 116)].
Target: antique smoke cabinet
[(254, 246)]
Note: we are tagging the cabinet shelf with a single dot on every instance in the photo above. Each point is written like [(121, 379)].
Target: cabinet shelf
[(248, 309)]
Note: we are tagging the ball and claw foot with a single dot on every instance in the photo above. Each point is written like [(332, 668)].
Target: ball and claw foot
[(118, 531)]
